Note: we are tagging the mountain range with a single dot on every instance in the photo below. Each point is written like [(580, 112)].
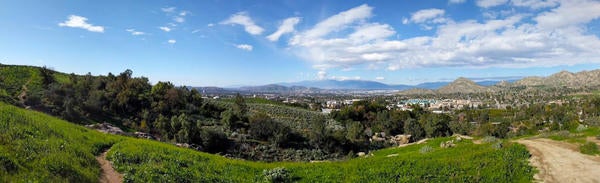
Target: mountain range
[(460, 85)]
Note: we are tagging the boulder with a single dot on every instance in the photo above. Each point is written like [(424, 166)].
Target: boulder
[(106, 128)]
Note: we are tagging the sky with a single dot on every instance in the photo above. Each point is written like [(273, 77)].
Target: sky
[(239, 42)]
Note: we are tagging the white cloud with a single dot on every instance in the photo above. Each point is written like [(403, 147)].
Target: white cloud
[(490, 3), (245, 47), (179, 19), (550, 36), (166, 29), (184, 13), (76, 21), (210, 25), (171, 41), (426, 14), (456, 1), (570, 13), (134, 32), (535, 4), (168, 9), (337, 22), (287, 26), (379, 78), (243, 19), (343, 78), (322, 74)]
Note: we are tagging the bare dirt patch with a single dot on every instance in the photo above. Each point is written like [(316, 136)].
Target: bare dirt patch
[(108, 175), (561, 162)]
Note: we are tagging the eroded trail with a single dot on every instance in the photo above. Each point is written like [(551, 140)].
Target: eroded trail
[(108, 175), (561, 162)]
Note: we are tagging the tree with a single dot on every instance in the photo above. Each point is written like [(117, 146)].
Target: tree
[(435, 125), (413, 128), (47, 76), (239, 106)]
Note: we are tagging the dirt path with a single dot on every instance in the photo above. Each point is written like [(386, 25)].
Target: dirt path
[(108, 175), (561, 162)]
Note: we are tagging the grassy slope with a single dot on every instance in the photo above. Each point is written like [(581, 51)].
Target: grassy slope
[(38, 147)]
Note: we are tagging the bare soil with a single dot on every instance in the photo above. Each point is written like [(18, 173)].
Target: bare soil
[(108, 175), (561, 162)]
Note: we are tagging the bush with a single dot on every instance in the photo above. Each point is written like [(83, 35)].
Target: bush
[(489, 139), (580, 128), (589, 148), (497, 145), (279, 174), (426, 149)]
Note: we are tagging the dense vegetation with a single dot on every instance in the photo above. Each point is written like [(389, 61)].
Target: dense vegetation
[(37, 147), (259, 129)]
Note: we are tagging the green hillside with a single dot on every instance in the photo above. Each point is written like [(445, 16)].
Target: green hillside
[(40, 148)]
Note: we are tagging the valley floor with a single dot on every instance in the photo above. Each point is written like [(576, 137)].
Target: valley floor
[(561, 162)]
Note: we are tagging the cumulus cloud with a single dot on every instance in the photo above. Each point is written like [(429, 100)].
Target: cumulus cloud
[(422, 16), (535, 4), (287, 26), (171, 41), (76, 21), (243, 19), (166, 29), (245, 47), (554, 35), (134, 32), (570, 13), (490, 3)]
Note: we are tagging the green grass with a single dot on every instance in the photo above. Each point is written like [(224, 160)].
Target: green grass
[(35, 147), (39, 148)]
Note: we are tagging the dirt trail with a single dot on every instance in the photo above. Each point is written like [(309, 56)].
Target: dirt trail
[(108, 175), (561, 162)]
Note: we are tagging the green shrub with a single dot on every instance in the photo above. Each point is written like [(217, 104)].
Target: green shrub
[(497, 145), (489, 139), (581, 128), (279, 174), (589, 148)]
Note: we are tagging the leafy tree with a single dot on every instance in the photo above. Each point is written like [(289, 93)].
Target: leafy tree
[(435, 125), (413, 128)]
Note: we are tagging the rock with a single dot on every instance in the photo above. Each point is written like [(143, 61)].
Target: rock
[(361, 154), (143, 135), (106, 128), (447, 144), (400, 139)]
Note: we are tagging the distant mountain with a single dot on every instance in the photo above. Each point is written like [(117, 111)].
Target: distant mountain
[(564, 79), (463, 85), (275, 88), (346, 84)]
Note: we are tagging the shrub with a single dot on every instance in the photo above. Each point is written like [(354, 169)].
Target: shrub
[(497, 145), (489, 139), (580, 128), (279, 174), (426, 149), (589, 148)]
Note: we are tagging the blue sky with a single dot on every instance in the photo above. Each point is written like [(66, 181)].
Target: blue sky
[(238, 42)]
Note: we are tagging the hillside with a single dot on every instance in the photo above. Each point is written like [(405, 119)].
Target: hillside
[(463, 85), (37, 147)]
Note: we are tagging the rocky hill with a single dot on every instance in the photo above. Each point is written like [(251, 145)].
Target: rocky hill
[(463, 85)]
